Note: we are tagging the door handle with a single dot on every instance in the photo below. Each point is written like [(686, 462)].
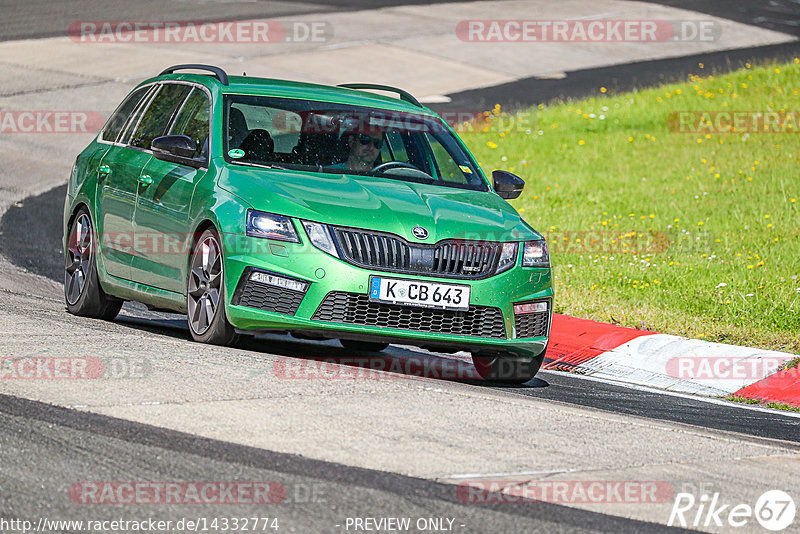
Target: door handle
[(145, 180), (103, 171)]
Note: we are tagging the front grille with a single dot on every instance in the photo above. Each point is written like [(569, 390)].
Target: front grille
[(355, 308), (447, 259), (268, 298), (531, 324)]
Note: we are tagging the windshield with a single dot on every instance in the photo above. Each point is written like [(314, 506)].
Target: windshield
[(337, 138)]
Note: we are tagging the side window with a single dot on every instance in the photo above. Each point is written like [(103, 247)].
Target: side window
[(449, 170), (192, 120), (158, 114), (394, 142), (120, 116)]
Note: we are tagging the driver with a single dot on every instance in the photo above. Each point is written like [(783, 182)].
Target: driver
[(364, 151)]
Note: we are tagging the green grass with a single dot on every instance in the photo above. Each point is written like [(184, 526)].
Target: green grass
[(687, 234), (774, 405)]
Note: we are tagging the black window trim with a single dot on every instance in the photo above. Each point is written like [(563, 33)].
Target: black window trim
[(145, 103), (171, 123), (145, 98)]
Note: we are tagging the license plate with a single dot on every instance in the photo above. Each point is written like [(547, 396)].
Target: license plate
[(418, 293)]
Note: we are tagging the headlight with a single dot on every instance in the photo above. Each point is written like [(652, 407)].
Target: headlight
[(508, 257), (535, 254), (320, 237), (270, 226)]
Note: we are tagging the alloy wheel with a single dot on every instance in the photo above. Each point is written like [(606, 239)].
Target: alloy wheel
[(79, 255), (205, 280)]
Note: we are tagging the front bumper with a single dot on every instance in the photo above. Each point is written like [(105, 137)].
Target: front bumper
[(331, 281)]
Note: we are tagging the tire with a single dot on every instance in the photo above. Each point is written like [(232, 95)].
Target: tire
[(506, 369), (363, 346), (205, 290), (82, 291)]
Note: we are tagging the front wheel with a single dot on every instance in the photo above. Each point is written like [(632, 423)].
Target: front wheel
[(506, 369), (208, 322), (82, 290)]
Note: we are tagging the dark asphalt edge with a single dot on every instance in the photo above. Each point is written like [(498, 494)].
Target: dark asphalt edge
[(774, 428), (401, 485), (529, 92), (44, 257), (337, 7)]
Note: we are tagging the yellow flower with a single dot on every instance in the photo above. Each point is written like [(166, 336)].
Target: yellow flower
[(749, 266), (581, 142), (491, 145), (603, 89), (630, 139)]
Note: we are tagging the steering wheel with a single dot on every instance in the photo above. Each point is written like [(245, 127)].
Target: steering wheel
[(393, 165)]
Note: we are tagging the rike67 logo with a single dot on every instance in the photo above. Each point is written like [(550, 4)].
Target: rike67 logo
[(774, 510)]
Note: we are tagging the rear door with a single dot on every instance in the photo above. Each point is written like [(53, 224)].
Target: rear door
[(162, 213), (116, 184)]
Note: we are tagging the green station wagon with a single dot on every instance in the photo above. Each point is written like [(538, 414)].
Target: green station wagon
[(257, 205)]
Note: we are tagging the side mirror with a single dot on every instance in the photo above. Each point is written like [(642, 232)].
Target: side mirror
[(176, 149), (507, 185)]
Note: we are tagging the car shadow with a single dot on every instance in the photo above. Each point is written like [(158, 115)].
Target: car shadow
[(328, 360)]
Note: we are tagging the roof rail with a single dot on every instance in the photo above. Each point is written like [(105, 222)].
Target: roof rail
[(221, 75), (404, 95)]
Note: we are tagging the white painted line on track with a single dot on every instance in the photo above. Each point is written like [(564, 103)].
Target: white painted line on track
[(510, 474)]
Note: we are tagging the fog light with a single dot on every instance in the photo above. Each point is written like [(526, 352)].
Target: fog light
[(279, 281), (531, 307)]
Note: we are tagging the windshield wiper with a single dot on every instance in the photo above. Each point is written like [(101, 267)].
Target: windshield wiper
[(262, 165)]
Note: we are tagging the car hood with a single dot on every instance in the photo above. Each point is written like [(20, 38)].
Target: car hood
[(382, 204)]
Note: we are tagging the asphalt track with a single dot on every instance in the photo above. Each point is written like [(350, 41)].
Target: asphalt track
[(41, 216), (44, 18), (83, 446), (319, 495)]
